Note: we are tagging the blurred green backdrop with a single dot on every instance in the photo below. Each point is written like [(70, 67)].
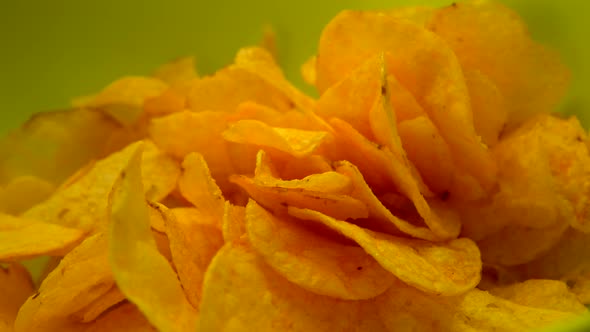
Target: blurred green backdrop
[(51, 51)]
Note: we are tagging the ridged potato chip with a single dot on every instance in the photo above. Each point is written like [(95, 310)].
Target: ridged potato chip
[(313, 262), (15, 286), (530, 77), (24, 238), (134, 257), (444, 269), (230, 306)]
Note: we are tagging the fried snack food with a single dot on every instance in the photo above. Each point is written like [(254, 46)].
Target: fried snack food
[(428, 188)]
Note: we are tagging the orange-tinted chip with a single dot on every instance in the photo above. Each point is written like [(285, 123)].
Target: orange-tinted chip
[(529, 76), (123, 99), (239, 286), (81, 277), (181, 133), (234, 222), (539, 293), (15, 286), (199, 188), (313, 262), (193, 243), (52, 146), (134, 256), (449, 268), (296, 142), (24, 238), (123, 318)]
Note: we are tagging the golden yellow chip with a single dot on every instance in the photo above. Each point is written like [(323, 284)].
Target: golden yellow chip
[(447, 268), (123, 318), (199, 188), (428, 151), (123, 99), (409, 308), (15, 286), (296, 142), (239, 286), (234, 222), (381, 218), (22, 193), (181, 133), (52, 146), (490, 112), (542, 293), (22, 238), (134, 257), (177, 73), (193, 243), (83, 203), (105, 302), (369, 157), (417, 56), (313, 262), (529, 76), (81, 277), (519, 244), (167, 102), (232, 86), (308, 71)]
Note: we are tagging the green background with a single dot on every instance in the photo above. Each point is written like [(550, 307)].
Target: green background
[(51, 51)]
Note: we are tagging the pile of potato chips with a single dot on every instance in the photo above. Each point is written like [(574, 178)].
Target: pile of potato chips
[(427, 189)]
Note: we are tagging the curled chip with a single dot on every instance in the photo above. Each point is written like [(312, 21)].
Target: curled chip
[(426, 188), (134, 257), (313, 262), (24, 238), (445, 268)]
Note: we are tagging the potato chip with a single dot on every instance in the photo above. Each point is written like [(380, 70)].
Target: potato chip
[(181, 133), (24, 238), (296, 142), (261, 63), (568, 258), (169, 101), (228, 305), (232, 86), (199, 188), (123, 99), (22, 193), (424, 58), (490, 111), (308, 71), (105, 302), (193, 243), (15, 286), (449, 268), (529, 76), (327, 182), (81, 277), (519, 244), (352, 98), (52, 146), (123, 318), (544, 294), (369, 157), (133, 256), (83, 203), (177, 72), (160, 172), (428, 151), (579, 284), (313, 262), (234, 222), (408, 309), (382, 219)]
